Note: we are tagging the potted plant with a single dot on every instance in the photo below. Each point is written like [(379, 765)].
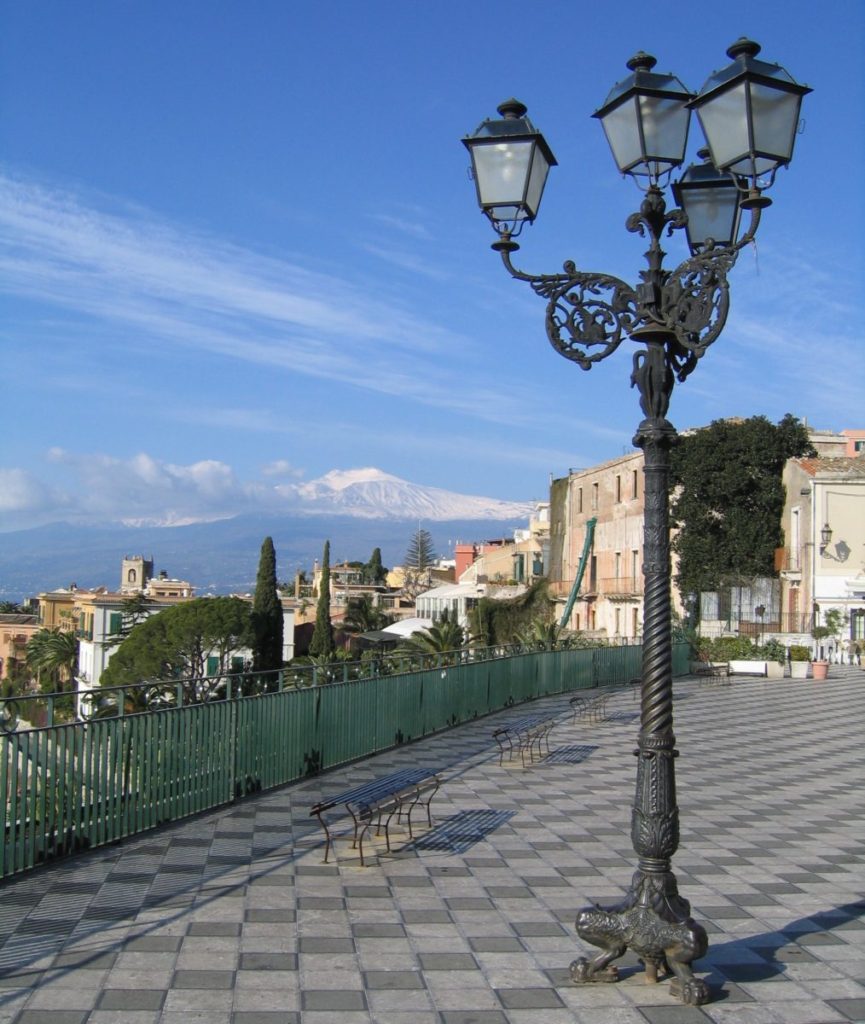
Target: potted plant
[(820, 667), (800, 657), (775, 654)]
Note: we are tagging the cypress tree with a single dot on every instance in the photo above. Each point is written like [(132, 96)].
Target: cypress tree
[(374, 571), (266, 613), (322, 644)]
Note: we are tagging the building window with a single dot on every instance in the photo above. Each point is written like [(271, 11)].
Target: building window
[(579, 499), (594, 497), (634, 484), (618, 621), (635, 624), (618, 564), (213, 665), (115, 623), (635, 564), (131, 576), (618, 489)]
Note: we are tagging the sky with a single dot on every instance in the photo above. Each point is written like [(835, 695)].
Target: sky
[(239, 246)]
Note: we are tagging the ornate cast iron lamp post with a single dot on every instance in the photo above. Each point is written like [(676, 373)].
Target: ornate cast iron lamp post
[(749, 113)]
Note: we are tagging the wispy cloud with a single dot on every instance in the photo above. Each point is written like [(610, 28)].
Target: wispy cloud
[(173, 286)]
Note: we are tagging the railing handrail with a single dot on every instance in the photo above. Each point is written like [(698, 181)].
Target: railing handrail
[(187, 691)]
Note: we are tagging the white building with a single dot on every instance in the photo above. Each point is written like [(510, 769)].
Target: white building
[(822, 565)]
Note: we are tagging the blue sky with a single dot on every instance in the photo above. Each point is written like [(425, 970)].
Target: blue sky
[(240, 248)]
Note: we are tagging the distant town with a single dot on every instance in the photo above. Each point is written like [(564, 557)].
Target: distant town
[(581, 549)]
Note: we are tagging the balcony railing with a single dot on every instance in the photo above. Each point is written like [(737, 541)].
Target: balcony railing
[(620, 586), (781, 622), (609, 586), (70, 787)]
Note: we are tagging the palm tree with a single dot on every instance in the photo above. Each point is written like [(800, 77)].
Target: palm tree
[(362, 616), (442, 638), (540, 634), (55, 652)]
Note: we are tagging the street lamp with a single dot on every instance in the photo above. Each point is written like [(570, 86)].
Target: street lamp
[(749, 113), (760, 611)]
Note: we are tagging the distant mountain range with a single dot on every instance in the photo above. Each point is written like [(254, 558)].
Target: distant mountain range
[(357, 510)]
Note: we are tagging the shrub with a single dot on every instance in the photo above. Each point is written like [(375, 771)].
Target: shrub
[(739, 648), (799, 652)]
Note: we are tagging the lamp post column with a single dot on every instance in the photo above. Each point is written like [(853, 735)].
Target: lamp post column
[(653, 920)]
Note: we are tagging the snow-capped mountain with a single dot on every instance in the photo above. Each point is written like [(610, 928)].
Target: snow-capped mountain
[(373, 494)]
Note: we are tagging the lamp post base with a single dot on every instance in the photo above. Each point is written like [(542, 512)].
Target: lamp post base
[(655, 923)]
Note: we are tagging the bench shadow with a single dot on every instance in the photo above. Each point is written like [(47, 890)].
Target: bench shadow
[(572, 754), (460, 832)]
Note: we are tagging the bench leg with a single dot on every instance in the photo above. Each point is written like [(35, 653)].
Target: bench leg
[(359, 840), (327, 836)]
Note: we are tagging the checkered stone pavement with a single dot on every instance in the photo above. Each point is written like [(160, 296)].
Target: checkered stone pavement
[(232, 918)]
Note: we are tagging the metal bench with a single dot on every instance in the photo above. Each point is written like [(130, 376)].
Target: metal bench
[(522, 736), (590, 709), (377, 802), (714, 673)]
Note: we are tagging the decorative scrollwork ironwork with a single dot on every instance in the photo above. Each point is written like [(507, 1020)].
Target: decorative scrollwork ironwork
[(696, 299), (588, 315)]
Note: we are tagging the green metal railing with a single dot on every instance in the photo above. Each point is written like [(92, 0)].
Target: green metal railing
[(69, 787)]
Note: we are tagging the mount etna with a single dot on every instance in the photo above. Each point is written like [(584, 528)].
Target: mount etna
[(357, 510)]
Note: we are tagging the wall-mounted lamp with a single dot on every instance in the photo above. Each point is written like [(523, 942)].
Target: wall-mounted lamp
[(825, 538)]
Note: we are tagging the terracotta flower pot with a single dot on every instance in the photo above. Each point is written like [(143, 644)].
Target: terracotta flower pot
[(820, 669)]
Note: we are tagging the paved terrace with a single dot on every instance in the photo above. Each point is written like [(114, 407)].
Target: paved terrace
[(231, 918)]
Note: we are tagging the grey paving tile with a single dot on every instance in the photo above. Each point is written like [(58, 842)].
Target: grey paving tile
[(153, 944), (209, 980), (392, 980), (375, 930), (426, 917), (268, 962), (131, 999), (447, 962), (227, 928), (325, 944), (333, 999), (473, 1017), (52, 1017), (529, 998), (270, 915), (265, 1017), (852, 1009)]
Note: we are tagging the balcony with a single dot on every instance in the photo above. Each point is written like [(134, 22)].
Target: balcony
[(621, 587), (780, 622)]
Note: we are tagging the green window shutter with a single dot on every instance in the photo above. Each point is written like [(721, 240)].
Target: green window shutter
[(237, 664), (115, 623), (213, 665)]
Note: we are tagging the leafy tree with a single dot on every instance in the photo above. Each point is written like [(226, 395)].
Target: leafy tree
[(505, 621), (374, 572), (321, 644), (178, 643), (53, 653), (418, 561), (266, 613), (134, 609), (727, 499)]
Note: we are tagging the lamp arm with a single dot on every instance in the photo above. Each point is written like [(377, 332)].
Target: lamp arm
[(695, 297), (588, 314)]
